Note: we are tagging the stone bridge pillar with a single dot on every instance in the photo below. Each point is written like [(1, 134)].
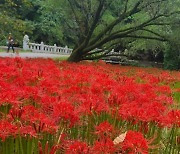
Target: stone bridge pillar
[(26, 42)]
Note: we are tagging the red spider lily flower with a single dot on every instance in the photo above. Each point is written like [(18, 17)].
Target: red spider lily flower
[(8, 95), (18, 62), (152, 79), (175, 117), (16, 112), (54, 92), (77, 147), (92, 103), (28, 112), (65, 111), (172, 118), (39, 121), (104, 146), (42, 123), (134, 142), (164, 90), (164, 99), (27, 130), (47, 104), (7, 129), (104, 129)]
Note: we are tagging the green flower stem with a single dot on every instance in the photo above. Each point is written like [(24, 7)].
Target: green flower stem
[(11, 146), (3, 147), (7, 146), (152, 130), (16, 146), (169, 141), (33, 146), (20, 142), (84, 128), (74, 131), (173, 141), (29, 144), (88, 129)]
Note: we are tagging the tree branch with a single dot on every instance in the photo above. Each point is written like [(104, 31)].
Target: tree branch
[(95, 21), (74, 12), (126, 4), (104, 55), (146, 37), (123, 33), (94, 52), (134, 10), (152, 2), (97, 56), (154, 33)]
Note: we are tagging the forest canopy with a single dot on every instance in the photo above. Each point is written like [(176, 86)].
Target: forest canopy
[(133, 25)]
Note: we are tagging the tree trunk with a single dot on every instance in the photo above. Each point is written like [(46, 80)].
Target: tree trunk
[(76, 56)]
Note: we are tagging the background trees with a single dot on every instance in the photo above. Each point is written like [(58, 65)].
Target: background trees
[(104, 24), (14, 17), (134, 25)]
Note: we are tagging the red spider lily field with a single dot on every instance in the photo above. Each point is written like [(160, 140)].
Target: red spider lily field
[(51, 107)]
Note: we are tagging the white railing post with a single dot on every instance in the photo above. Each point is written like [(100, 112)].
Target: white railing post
[(42, 47), (55, 48), (66, 49), (25, 42)]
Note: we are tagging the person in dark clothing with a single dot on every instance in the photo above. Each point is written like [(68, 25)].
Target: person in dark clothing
[(10, 42)]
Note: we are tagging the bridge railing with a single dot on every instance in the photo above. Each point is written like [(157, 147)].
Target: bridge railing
[(42, 48)]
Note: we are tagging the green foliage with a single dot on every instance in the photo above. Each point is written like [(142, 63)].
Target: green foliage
[(15, 26), (69, 22), (48, 23), (172, 57), (13, 20)]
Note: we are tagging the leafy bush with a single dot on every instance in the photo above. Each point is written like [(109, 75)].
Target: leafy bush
[(172, 57)]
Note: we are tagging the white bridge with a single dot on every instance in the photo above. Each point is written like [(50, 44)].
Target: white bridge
[(42, 48)]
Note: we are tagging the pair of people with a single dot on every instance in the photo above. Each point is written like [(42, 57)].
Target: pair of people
[(10, 43)]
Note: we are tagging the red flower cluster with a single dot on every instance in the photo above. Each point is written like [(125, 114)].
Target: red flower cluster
[(41, 96), (172, 118), (105, 146), (7, 129), (77, 147), (135, 143), (104, 129)]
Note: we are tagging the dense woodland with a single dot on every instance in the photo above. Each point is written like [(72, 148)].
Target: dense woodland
[(140, 29)]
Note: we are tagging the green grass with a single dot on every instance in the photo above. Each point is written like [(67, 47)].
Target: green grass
[(5, 50), (63, 58), (2, 50), (176, 85), (176, 95)]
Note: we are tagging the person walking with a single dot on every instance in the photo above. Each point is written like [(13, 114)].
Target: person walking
[(10, 43)]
